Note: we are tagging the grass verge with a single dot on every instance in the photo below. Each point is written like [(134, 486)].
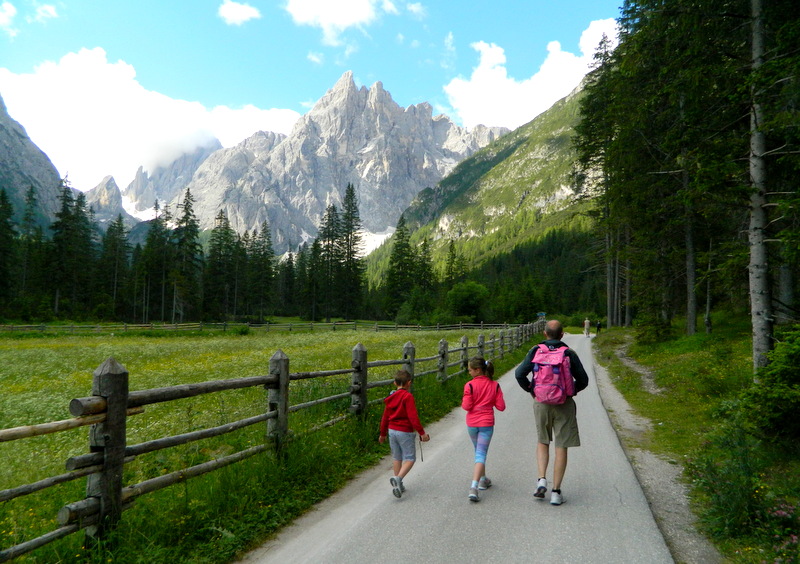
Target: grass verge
[(745, 490)]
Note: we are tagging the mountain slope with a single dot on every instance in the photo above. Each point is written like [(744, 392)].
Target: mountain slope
[(514, 190), (22, 165)]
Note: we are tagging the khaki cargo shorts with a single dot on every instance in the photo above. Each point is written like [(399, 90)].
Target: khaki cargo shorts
[(559, 420)]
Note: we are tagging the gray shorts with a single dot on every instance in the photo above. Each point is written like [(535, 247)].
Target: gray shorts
[(559, 420), (404, 445)]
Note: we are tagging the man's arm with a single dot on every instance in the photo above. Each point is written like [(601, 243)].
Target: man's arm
[(522, 371), (578, 372)]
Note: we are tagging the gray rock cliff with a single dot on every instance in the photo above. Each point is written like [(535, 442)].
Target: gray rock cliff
[(167, 182), (22, 165), (105, 199), (352, 135)]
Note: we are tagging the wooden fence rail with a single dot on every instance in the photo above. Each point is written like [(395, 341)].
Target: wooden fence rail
[(107, 410)]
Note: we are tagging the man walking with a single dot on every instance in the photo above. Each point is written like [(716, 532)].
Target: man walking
[(553, 421)]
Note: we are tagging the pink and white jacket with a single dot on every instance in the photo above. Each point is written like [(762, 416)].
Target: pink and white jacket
[(481, 397)]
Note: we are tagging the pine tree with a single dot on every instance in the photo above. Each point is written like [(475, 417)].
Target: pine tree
[(187, 269), (400, 274), (261, 272), (73, 255), (8, 245), (287, 286), (353, 268), (331, 255), (28, 235), (114, 267), (219, 288)]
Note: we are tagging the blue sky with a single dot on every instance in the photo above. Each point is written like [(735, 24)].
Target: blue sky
[(103, 86)]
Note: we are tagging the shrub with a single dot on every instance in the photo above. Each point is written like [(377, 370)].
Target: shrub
[(772, 402), (653, 330), (726, 470)]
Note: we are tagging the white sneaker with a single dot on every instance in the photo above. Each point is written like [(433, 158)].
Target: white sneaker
[(484, 483), (473, 494), (556, 498), (397, 486), (541, 488)]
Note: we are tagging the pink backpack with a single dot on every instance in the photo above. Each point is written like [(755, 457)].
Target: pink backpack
[(552, 377)]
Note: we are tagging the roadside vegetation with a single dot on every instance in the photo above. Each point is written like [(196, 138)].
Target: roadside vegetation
[(215, 517), (736, 438)]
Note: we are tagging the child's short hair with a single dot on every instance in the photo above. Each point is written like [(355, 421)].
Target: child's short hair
[(402, 378)]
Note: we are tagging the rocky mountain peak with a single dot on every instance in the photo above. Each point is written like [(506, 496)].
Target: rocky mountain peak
[(352, 135), (105, 199)]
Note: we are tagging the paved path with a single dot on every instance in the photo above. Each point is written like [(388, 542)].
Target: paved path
[(605, 519)]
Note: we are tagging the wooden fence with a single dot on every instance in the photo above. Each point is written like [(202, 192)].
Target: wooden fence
[(265, 327), (106, 411)]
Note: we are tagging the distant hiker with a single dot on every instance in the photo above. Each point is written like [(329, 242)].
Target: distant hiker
[(399, 422), (482, 396), (599, 325), (586, 326), (553, 419)]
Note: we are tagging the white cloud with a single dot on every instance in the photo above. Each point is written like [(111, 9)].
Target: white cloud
[(316, 58), (93, 118), (7, 13), (44, 12), (493, 98), (333, 18), (390, 8), (417, 9), (449, 56), (235, 13)]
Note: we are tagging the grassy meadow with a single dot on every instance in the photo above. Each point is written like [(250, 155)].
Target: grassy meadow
[(213, 517)]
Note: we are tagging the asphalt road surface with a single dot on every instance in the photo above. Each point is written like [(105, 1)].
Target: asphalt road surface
[(605, 518)]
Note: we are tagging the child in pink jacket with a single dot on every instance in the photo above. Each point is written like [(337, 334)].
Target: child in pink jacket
[(482, 396)]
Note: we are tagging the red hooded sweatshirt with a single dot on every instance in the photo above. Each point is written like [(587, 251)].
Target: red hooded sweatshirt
[(400, 413)]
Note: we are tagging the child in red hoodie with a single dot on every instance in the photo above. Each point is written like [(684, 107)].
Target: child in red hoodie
[(399, 422), (481, 397)]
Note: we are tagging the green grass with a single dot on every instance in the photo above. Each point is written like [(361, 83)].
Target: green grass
[(733, 476), (214, 517)]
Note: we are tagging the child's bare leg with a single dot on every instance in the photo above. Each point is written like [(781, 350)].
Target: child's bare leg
[(479, 472), (405, 468)]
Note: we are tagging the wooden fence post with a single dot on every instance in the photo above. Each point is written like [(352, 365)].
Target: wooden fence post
[(481, 346), (278, 428), (465, 354), (409, 355), (502, 343), (443, 356), (110, 381), (358, 389), (494, 345)]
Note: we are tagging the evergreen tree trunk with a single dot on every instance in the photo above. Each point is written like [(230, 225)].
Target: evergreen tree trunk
[(691, 270), (610, 306), (760, 295), (707, 317)]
